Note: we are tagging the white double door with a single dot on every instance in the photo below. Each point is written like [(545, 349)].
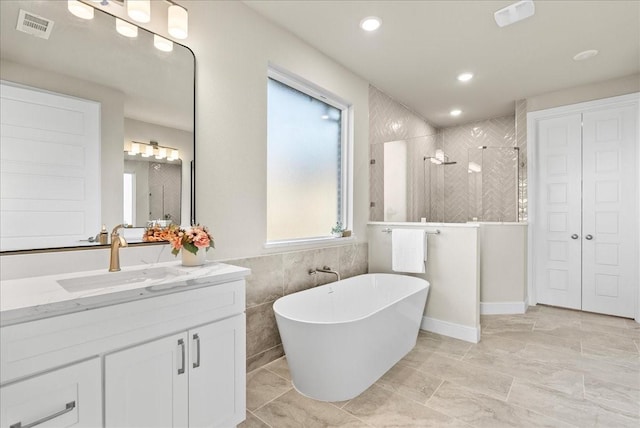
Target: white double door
[(585, 227)]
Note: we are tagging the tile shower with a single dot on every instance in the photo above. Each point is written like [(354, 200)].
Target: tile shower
[(471, 172)]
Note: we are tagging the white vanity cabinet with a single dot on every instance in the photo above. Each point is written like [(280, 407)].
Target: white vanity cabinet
[(172, 357), (195, 379), (67, 397)]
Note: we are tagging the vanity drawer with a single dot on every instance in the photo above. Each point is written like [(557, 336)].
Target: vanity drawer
[(36, 346), (71, 396)]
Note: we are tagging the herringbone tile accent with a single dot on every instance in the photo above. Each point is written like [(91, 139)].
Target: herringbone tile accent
[(391, 121), (450, 193), (498, 199)]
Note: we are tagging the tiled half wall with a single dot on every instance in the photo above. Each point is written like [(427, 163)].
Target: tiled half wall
[(276, 275)]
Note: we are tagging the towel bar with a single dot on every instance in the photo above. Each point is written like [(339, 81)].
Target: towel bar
[(436, 232)]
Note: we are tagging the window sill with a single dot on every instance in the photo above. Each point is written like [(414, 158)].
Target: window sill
[(325, 241)]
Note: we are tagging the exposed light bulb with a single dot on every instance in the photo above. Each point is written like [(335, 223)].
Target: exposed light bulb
[(139, 10), (126, 29), (162, 44), (80, 9), (178, 22), (455, 112), (174, 155), (465, 77)]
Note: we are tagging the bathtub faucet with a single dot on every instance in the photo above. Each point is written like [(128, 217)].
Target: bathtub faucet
[(325, 269)]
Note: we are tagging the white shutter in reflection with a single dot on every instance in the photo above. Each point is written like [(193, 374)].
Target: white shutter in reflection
[(50, 168)]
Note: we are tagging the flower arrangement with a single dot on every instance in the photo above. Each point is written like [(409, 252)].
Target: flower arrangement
[(193, 239)]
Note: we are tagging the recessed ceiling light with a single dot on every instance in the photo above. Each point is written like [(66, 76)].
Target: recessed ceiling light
[(370, 23), (585, 55), (455, 112), (465, 77)]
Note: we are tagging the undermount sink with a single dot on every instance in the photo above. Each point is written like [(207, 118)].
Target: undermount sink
[(113, 279)]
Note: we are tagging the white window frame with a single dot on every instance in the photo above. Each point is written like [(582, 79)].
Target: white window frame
[(300, 84)]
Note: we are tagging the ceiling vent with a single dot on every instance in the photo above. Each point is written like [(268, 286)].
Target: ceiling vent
[(33, 24), (514, 13)]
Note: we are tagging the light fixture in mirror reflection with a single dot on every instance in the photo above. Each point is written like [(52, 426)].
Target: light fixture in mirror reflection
[(152, 149), (143, 95)]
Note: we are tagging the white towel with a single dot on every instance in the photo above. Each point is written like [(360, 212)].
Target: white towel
[(409, 250)]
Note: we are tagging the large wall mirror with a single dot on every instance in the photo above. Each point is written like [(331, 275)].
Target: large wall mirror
[(143, 100)]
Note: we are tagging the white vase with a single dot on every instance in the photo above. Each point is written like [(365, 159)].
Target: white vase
[(190, 259)]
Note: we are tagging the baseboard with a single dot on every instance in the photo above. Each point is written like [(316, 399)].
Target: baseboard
[(445, 328), (502, 308)]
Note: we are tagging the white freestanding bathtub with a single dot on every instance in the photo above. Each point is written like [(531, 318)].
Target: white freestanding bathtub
[(341, 337)]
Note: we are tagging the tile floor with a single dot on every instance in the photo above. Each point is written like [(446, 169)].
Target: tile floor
[(547, 368)]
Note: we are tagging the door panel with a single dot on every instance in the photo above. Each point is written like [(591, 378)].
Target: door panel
[(147, 385), (217, 374), (557, 256), (609, 211)]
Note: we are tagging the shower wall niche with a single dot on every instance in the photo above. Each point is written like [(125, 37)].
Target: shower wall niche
[(466, 173)]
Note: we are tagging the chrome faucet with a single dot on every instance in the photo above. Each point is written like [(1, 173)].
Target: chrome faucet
[(117, 241), (325, 269)]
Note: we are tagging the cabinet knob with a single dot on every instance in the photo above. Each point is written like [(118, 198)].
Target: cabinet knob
[(574, 236), (588, 237)]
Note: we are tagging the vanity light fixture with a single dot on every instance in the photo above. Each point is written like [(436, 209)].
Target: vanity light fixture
[(465, 77), (126, 29), (152, 149), (165, 45), (80, 9), (148, 151), (370, 23), (134, 149), (139, 10), (455, 112), (178, 21)]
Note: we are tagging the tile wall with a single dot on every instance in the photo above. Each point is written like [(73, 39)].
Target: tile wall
[(446, 193), (388, 121), (276, 275)]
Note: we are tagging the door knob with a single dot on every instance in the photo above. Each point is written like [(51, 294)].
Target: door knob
[(588, 237), (574, 236)]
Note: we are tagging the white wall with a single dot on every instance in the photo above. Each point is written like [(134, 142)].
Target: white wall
[(503, 268), (233, 47), (594, 91), (453, 270)]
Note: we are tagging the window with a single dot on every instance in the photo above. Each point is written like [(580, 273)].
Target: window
[(129, 196), (307, 162)]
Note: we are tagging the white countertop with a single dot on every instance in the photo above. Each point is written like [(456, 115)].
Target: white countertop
[(28, 299)]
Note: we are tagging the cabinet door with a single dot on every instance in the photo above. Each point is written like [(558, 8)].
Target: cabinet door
[(147, 385), (67, 397), (217, 374)]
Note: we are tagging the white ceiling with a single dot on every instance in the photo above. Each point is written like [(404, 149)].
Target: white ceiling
[(422, 45)]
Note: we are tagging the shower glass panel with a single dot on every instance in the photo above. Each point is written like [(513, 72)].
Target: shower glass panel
[(492, 184), (424, 178)]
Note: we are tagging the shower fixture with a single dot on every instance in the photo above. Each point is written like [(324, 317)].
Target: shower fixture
[(440, 158)]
